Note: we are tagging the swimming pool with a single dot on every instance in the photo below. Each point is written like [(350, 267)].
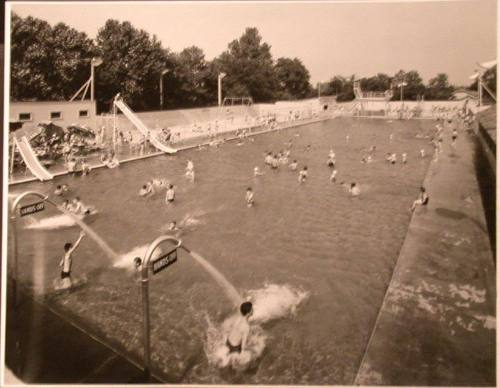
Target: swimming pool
[(317, 261)]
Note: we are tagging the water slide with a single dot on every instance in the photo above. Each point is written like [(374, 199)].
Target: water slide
[(120, 104), (31, 160)]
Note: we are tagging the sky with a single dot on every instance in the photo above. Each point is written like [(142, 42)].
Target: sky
[(330, 38)]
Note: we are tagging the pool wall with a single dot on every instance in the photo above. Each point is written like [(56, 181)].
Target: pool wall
[(437, 323)]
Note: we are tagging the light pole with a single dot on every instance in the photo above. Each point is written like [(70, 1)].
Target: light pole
[(401, 85), (219, 87), (94, 62), (319, 90), (165, 71)]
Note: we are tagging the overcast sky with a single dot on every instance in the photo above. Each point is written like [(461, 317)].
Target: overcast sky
[(329, 37)]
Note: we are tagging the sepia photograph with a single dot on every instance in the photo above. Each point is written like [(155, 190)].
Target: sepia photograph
[(253, 193)]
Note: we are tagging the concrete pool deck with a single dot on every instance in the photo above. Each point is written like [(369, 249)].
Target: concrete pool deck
[(437, 323)]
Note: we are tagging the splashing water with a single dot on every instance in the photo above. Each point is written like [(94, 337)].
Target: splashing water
[(126, 260), (90, 232), (231, 292), (54, 222), (271, 302), (218, 353), (275, 301)]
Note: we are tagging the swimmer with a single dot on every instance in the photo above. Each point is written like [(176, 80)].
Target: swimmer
[(190, 175), (347, 139), (391, 137), (331, 154), (79, 208), (275, 162), (236, 339), (143, 192), (333, 177), (67, 262), (150, 187), (190, 165), (354, 190), (170, 195), (391, 158), (85, 167), (423, 199), (422, 153), (172, 227), (71, 165), (65, 188), (249, 197), (404, 157), (293, 166), (268, 159), (58, 191), (303, 174), (257, 172), (330, 162), (66, 206), (454, 137)]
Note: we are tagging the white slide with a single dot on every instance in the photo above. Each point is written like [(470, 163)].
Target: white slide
[(31, 160), (120, 104)]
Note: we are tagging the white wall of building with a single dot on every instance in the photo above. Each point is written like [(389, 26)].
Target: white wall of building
[(61, 113)]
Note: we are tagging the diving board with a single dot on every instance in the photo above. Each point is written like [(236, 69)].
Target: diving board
[(134, 119), (31, 159)]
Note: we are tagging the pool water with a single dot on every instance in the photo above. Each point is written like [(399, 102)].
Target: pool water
[(310, 240)]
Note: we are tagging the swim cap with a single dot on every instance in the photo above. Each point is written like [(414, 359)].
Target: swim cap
[(246, 308)]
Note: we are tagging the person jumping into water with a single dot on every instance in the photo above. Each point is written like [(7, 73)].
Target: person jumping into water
[(67, 262), (236, 339)]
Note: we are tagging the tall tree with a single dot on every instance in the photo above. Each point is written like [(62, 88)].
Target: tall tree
[(132, 65), (379, 83), (439, 88), (414, 86), (47, 63), (248, 64), (191, 84), (340, 86), (293, 79)]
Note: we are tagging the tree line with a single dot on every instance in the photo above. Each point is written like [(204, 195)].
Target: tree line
[(51, 63)]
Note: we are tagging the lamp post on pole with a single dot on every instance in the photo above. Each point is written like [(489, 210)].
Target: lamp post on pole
[(94, 62), (165, 71), (401, 85), (219, 87)]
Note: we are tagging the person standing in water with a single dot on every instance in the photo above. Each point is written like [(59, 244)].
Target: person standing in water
[(237, 337), (303, 174), (170, 195), (249, 197), (67, 262)]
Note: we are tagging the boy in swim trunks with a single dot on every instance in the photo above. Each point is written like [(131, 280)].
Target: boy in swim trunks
[(67, 262), (303, 174), (236, 340), (423, 199), (249, 197), (170, 196)]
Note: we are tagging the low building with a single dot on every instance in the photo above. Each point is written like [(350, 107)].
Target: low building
[(61, 113)]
